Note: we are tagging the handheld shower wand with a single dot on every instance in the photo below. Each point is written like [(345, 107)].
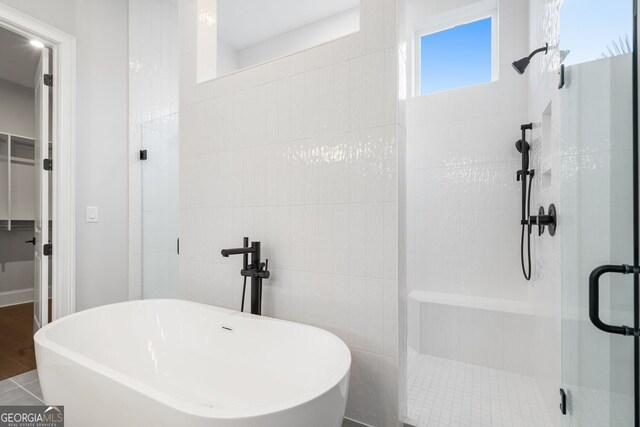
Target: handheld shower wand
[(527, 220), (523, 147)]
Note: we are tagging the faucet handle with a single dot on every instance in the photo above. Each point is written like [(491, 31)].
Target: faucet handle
[(263, 272)]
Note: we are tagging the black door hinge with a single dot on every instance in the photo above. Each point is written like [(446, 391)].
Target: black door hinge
[(563, 402), (178, 246), (47, 249), (561, 72), (143, 154), (48, 79), (47, 164)]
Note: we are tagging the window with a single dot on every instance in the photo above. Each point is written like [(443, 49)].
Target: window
[(456, 57)]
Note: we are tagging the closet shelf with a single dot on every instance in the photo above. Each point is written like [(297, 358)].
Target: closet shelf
[(23, 224), (17, 181)]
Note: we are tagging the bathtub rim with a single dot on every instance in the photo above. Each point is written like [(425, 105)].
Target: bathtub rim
[(41, 339)]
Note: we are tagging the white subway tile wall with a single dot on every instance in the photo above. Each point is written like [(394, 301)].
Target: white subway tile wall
[(301, 153), (464, 204)]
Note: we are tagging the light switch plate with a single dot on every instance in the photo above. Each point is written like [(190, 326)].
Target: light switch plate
[(92, 214)]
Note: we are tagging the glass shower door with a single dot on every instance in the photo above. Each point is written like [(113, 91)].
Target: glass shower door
[(160, 208), (598, 214)]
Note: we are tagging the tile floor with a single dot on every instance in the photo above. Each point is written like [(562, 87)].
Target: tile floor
[(17, 354), (443, 392), (22, 389)]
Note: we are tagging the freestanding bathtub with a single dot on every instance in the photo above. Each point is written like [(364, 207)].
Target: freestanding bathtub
[(178, 363)]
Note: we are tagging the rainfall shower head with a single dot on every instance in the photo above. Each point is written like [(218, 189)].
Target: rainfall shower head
[(521, 64)]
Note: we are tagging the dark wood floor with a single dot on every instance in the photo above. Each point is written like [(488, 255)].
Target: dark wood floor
[(17, 354)]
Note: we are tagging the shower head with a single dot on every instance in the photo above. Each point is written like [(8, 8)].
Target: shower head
[(519, 144), (521, 64), (523, 147)]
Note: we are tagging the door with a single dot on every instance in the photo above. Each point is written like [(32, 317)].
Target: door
[(160, 208), (41, 211), (599, 213)]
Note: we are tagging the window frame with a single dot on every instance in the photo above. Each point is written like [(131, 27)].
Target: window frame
[(455, 19)]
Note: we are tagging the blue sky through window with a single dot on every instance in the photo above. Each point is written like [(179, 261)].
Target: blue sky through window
[(589, 28), (455, 58)]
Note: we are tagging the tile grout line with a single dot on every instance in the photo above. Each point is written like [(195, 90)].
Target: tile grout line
[(39, 400), (22, 387)]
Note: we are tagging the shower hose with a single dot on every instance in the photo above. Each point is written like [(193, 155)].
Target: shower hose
[(527, 272)]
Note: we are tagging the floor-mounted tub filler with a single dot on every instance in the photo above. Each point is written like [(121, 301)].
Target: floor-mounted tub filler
[(178, 363)]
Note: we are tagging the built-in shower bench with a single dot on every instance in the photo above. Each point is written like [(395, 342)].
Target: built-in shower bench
[(493, 332)]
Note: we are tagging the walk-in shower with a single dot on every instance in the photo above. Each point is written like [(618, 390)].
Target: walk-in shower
[(497, 337)]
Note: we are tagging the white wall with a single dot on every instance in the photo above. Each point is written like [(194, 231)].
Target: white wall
[(16, 109), (227, 60), (302, 38), (102, 143), (301, 154), (16, 261)]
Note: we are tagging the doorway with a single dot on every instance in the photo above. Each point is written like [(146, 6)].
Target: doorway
[(38, 178), (24, 128), (55, 239)]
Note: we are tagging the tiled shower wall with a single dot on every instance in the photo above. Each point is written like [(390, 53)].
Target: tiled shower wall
[(153, 95), (301, 153), (464, 201), (464, 208)]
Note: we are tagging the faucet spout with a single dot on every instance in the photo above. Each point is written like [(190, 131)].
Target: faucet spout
[(237, 251)]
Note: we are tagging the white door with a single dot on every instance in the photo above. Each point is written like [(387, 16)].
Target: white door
[(41, 223)]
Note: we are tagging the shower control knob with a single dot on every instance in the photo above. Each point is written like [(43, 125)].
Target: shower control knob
[(542, 220)]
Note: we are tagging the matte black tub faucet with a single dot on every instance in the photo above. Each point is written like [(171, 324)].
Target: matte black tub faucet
[(257, 271)]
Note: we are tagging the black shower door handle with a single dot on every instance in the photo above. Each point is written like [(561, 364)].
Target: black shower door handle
[(594, 298)]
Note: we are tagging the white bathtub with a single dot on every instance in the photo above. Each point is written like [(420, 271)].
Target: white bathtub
[(178, 363)]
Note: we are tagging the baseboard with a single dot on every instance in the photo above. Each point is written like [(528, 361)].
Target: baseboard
[(19, 296), (348, 422)]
